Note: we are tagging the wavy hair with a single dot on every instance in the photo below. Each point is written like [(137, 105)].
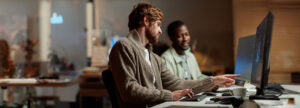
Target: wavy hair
[(142, 10)]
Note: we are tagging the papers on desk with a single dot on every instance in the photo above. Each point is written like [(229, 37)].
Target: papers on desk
[(18, 80), (292, 87)]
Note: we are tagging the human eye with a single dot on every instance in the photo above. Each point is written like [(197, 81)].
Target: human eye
[(187, 34), (158, 23)]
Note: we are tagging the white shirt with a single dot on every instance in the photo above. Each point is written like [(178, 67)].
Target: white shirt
[(147, 58)]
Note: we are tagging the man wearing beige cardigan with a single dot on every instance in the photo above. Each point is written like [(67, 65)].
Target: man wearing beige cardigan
[(140, 76)]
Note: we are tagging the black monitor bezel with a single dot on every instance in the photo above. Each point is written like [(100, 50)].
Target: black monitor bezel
[(266, 52)]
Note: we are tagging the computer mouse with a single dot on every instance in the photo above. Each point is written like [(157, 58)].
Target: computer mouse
[(235, 101), (227, 94)]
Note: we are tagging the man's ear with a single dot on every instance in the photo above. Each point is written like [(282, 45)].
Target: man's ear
[(145, 22)]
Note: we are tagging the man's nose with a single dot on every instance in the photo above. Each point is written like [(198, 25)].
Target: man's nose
[(185, 38), (159, 31)]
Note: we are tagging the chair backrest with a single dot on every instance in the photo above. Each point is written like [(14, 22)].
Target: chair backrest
[(109, 83)]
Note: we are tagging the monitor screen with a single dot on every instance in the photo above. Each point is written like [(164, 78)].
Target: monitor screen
[(113, 40), (244, 58), (260, 66)]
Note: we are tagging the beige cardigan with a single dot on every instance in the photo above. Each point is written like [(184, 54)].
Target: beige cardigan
[(134, 77)]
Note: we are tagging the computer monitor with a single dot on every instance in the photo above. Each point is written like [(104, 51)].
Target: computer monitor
[(261, 60), (113, 40), (244, 58)]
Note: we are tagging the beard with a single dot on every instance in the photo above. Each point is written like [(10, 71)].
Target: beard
[(152, 36)]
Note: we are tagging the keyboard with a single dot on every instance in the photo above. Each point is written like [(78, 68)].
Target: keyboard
[(194, 98)]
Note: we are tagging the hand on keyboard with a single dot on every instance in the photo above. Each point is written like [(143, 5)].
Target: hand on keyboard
[(195, 98), (180, 93)]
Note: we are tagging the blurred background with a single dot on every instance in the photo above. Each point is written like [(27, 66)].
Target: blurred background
[(71, 39)]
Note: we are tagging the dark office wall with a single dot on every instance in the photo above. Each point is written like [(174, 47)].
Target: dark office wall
[(209, 22)]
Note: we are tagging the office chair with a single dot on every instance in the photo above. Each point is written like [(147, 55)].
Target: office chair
[(110, 86)]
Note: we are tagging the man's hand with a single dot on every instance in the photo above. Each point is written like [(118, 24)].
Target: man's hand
[(231, 75), (180, 93), (225, 80)]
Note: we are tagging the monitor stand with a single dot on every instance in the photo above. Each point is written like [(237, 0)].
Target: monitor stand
[(260, 96)]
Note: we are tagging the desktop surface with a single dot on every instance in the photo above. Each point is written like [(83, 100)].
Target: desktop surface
[(284, 101), (280, 89), (182, 106)]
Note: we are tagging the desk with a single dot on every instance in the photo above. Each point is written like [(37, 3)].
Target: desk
[(34, 83), (49, 83), (247, 103)]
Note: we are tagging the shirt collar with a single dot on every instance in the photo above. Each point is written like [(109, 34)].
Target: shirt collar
[(177, 57), (134, 35)]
